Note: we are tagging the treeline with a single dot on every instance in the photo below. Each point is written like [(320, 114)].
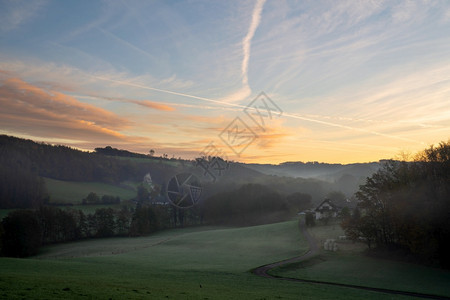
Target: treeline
[(20, 187), (108, 150), (406, 206), (94, 199), (236, 176), (252, 204), (23, 232), (24, 162), (62, 162)]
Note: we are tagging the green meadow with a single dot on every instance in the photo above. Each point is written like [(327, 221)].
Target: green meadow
[(4, 213), (191, 263), (149, 160), (74, 192), (349, 266)]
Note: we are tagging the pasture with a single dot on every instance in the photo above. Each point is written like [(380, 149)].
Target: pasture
[(191, 263), (348, 265), (4, 213), (154, 160), (73, 192)]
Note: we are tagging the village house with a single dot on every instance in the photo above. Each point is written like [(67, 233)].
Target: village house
[(326, 209)]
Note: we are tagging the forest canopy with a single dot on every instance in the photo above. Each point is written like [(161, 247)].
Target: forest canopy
[(406, 205)]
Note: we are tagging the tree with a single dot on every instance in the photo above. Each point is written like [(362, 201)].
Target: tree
[(82, 227), (92, 198), (123, 221), (151, 152), (345, 212), (19, 186), (2, 232), (406, 205), (143, 195), (309, 219), (22, 234), (144, 221), (108, 199), (299, 201), (57, 225), (337, 198), (105, 222), (249, 204)]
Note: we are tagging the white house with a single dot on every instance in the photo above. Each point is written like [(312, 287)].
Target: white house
[(326, 209)]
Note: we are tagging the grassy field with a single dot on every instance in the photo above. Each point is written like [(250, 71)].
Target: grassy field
[(87, 209), (192, 263), (74, 192), (90, 209), (4, 213), (350, 266), (149, 160)]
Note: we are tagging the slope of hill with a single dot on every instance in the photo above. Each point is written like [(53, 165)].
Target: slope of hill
[(28, 161), (345, 178), (326, 171)]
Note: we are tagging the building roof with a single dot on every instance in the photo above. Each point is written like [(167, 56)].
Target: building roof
[(322, 208)]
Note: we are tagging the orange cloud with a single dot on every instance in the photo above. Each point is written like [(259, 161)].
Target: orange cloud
[(154, 105), (145, 103), (28, 109)]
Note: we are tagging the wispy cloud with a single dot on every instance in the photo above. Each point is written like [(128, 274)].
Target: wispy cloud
[(289, 115), (15, 13), (153, 105), (246, 42), (106, 82), (245, 90), (144, 103), (366, 77), (136, 85), (128, 44)]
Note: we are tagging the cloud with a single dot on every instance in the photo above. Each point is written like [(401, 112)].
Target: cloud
[(238, 95), (144, 103), (289, 115), (141, 86), (128, 44), (15, 13), (246, 42), (273, 136), (31, 110), (245, 90), (105, 80), (153, 105)]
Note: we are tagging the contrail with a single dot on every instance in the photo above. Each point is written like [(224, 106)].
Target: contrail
[(349, 127), (128, 44), (245, 90), (289, 115), (166, 91), (246, 42)]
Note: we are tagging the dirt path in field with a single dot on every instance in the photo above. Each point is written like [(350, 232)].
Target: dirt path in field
[(313, 251)]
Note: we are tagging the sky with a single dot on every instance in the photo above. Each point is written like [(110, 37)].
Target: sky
[(253, 81)]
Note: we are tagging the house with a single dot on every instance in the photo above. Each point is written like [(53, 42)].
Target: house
[(326, 209)]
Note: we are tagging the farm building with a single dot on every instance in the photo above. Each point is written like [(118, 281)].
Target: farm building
[(326, 209)]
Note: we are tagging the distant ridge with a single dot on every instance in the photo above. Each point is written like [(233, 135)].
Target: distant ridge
[(326, 171)]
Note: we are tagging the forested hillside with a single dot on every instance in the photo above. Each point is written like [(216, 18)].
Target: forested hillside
[(25, 162)]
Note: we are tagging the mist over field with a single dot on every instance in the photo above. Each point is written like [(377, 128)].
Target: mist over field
[(171, 216), (255, 149)]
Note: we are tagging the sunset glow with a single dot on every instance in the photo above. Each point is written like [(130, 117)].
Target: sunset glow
[(356, 81)]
